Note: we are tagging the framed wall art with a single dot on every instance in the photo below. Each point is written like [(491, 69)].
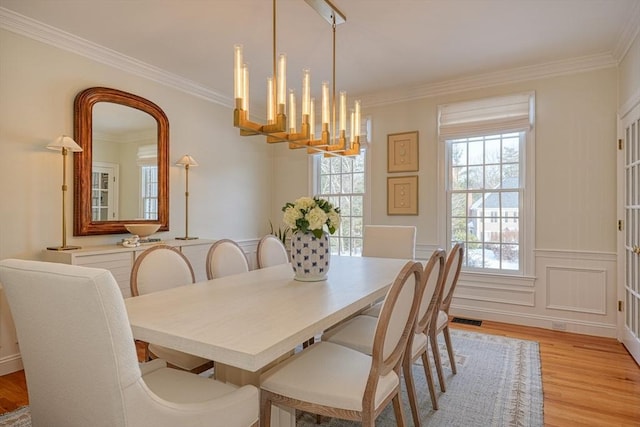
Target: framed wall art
[(402, 152), (402, 195)]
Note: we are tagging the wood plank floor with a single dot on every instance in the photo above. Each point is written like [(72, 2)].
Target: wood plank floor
[(587, 381)]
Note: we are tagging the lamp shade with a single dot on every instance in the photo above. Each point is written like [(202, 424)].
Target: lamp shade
[(64, 141), (187, 160)]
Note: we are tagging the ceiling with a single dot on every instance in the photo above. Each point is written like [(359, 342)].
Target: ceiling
[(385, 47)]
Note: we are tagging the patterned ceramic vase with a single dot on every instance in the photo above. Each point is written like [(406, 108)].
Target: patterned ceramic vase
[(310, 256)]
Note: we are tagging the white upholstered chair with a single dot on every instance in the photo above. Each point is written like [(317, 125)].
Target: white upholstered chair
[(358, 333), (81, 365), (271, 251), (389, 241), (158, 268), (225, 258), (337, 381), (450, 280)]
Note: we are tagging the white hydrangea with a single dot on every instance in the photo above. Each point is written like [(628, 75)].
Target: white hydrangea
[(305, 203), (334, 219), (291, 215), (317, 218)]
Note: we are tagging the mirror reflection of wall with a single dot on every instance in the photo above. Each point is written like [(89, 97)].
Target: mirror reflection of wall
[(124, 163)]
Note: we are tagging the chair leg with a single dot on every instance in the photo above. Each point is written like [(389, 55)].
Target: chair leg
[(447, 340), (429, 375), (265, 409), (411, 391), (397, 410), (436, 357)]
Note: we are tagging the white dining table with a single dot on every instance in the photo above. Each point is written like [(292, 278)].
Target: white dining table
[(249, 321)]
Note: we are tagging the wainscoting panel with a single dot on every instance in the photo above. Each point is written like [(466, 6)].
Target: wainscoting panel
[(573, 291), (577, 289)]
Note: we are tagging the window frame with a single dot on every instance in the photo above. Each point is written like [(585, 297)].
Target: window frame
[(526, 219)]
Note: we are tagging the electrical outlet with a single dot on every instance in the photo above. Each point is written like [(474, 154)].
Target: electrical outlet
[(559, 326)]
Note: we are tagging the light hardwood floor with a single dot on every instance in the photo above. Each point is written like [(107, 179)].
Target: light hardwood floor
[(587, 381)]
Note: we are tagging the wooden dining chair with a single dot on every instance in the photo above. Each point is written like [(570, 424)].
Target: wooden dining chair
[(226, 257), (337, 381), (358, 333), (271, 251), (450, 280), (158, 268)]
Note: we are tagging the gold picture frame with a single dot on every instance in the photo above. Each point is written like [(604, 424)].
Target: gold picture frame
[(402, 195), (402, 152)]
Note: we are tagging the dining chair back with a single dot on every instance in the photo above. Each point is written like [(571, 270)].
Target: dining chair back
[(80, 362), (225, 258), (158, 268), (334, 380), (452, 270), (271, 251), (425, 320), (389, 241)]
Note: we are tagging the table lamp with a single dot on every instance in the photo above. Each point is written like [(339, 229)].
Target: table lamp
[(64, 144), (187, 161)]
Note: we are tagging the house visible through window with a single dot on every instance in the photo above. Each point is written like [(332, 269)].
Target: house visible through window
[(488, 197), (342, 180)]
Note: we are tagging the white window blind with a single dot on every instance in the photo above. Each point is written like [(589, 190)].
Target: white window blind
[(147, 155), (508, 113)]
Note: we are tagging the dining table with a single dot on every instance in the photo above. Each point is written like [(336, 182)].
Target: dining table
[(250, 321)]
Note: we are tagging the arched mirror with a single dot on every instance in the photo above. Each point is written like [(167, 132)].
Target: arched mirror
[(122, 174)]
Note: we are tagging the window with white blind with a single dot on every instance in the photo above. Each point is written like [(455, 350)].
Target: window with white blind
[(342, 180), (488, 158)]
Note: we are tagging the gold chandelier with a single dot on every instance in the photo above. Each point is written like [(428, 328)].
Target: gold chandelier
[(281, 123)]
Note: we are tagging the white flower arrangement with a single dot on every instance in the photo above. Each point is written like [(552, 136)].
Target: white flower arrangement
[(311, 214)]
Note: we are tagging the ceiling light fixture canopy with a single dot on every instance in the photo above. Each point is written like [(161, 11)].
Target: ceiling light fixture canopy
[(281, 123)]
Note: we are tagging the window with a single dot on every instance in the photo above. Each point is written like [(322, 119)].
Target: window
[(149, 191), (148, 162), (488, 195), (342, 180)]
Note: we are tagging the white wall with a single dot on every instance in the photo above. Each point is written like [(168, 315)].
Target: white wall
[(230, 192)]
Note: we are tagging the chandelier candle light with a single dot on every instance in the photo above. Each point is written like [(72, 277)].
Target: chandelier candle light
[(64, 144), (187, 161), (282, 127)]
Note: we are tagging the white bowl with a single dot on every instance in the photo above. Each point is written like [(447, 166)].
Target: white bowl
[(142, 230)]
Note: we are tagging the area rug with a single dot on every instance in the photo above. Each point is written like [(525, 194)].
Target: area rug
[(18, 418), (498, 384)]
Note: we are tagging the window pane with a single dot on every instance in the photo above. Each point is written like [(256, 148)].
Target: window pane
[(357, 205), (492, 152), (459, 178), (345, 206), (493, 176), (347, 183), (358, 182), (476, 153), (459, 154), (511, 150), (458, 205), (476, 178)]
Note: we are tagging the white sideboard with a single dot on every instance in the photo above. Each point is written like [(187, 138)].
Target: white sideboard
[(119, 260)]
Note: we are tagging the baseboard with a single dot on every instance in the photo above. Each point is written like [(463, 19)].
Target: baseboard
[(537, 321), (10, 364)]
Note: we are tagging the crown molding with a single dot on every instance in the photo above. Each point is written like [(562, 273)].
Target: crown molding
[(628, 33), (498, 78), (39, 31)]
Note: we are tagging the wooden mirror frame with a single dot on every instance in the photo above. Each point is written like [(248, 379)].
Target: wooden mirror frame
[(83, 224)]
